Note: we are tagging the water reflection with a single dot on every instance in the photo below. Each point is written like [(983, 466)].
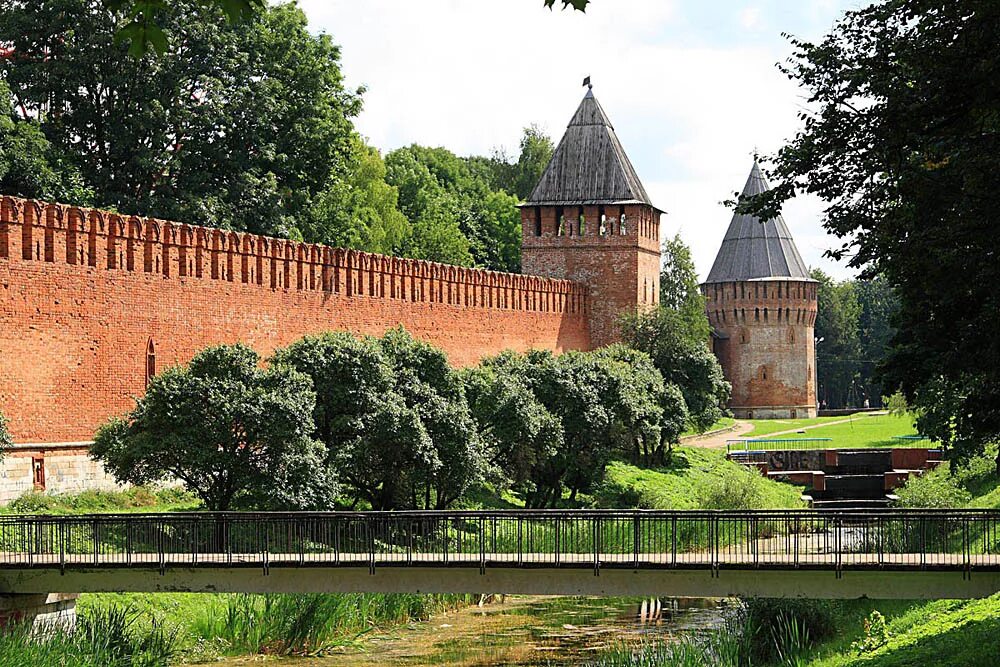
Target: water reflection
[(526, 631)]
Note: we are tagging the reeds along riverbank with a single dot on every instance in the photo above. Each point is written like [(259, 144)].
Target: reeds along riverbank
[(156, 630)]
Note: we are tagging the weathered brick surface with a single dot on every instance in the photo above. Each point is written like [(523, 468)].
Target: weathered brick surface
[(84, 293), (621, 271), (765, 344)]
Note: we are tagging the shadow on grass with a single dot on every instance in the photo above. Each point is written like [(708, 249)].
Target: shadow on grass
[(972, 644)]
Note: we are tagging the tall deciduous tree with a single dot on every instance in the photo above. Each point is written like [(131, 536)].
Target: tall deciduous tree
[(236, 435), (675, 335), (876, 328), (360, 210), (838, 350), (394, 418), (456, 214), (29, 166), (902, 139), (236, 125), (679, 288)]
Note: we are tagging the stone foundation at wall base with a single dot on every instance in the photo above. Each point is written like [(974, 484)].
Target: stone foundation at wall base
[(775, 412), (45, 611), (53, 467)]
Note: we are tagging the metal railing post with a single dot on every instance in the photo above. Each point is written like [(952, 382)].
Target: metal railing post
[(597, 546), (62, 547)]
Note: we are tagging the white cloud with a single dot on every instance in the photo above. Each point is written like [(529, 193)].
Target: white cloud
[(750, 18), (689, 105)]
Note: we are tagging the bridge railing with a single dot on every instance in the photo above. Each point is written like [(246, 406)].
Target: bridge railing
[(960, 540)]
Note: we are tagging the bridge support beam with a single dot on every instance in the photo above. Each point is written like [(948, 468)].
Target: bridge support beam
[(801, 583), (45, 611)]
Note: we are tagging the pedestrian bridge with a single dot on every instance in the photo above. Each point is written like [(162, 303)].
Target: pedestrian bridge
[(804, 553)]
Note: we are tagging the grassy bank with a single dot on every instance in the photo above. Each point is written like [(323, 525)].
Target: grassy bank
[(133, 499), (694, 478), (929, 634)]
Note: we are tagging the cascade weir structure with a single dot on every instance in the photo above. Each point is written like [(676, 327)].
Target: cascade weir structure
[(841, 478), (907, 554)]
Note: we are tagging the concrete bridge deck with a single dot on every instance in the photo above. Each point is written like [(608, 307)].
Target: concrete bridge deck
[(809, 553)]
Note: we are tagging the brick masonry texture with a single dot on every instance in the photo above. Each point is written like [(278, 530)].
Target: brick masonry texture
[(765, 344), (621, 270), (90, 299)]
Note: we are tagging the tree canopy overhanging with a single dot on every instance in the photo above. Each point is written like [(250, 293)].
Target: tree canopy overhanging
[(901, 138)]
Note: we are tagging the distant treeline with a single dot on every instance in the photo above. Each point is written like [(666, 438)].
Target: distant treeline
[(854, 328), (245, 126)]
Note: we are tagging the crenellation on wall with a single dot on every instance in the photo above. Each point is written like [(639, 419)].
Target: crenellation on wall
[(57, 233), (86, 294), (763, 336)]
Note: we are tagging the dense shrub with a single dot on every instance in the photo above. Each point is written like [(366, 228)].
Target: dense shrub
[(952, 485)]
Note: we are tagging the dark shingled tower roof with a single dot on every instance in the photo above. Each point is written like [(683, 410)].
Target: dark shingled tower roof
[(589, 166), (752, 250)]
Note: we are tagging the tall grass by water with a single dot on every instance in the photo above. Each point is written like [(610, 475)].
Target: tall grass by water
[(757, 632), (111, 637), (284, 624)]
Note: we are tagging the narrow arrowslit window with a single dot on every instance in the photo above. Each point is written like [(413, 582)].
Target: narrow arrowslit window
[(150, 361)]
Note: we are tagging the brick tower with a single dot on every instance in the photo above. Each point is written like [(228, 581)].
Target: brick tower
[(590, 220), (761, 303)]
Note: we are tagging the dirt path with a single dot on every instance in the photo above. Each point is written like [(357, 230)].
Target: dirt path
[(718, 440)]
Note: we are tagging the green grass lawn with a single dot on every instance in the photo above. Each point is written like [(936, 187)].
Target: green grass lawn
[(925, 634), (724, 422), (862, 430), (133, 499), (695, 478)]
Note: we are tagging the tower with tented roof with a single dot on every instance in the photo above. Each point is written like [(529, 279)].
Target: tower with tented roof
[(761, 304), (590, 220)]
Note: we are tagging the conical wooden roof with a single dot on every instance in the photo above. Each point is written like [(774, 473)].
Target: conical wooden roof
[(589, 166), (755, 250)]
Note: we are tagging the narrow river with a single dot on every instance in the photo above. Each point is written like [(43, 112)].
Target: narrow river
[(521, 631)]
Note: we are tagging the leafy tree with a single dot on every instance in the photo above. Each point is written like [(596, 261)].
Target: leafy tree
[(675, 335), (235, 434), (684, 361), (236, 125), (29, 167), (393, 416), (431, 210), (429, 385), (902, 138), (838, 363), (878, 305), (457, 215), (518, 431), (679, 287), (604, 403), (536, 151), (359, 211), (143, 32)]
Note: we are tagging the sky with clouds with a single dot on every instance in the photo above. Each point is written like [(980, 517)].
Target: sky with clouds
[(691, 87)]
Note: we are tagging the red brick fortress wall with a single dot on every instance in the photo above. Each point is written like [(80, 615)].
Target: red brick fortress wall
[(620, 271), (764, 340), (90, 299)]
